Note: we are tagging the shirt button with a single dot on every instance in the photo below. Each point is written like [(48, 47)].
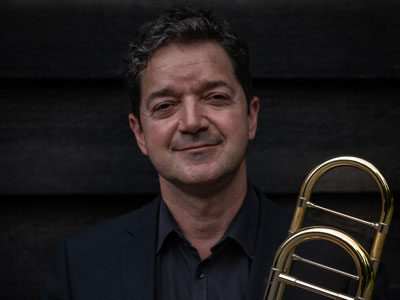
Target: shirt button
[(200, 275)]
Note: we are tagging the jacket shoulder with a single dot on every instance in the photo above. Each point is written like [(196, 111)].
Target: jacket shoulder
[(114, 230)]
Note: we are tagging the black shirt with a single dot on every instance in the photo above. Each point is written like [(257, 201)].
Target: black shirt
[(181, 275)]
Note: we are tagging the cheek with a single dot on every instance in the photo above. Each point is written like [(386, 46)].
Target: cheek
[(236, 121), (233, 126), (158, 135)]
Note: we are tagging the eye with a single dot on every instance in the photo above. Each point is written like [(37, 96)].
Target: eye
[(218, 99), (164, 109), (162, 106)]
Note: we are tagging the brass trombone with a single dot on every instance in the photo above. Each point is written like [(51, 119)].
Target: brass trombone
[(367, 264)]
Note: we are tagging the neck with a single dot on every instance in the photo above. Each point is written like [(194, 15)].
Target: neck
[(203, 217)]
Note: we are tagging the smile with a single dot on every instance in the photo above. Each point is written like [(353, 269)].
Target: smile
[(197, 148)]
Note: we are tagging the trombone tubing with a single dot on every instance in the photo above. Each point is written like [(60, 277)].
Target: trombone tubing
[(278, 275), (386, 196)]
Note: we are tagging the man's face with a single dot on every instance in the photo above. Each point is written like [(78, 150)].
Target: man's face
[(194, 121)]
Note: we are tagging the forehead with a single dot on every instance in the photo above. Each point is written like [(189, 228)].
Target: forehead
[(180, 64)]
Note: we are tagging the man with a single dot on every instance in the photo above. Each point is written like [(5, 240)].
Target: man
[(210, 235)]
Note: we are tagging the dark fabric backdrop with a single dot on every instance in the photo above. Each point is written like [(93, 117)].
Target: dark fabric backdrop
[(327, 74)]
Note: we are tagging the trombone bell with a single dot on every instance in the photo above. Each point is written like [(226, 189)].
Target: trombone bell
[(367, 263)]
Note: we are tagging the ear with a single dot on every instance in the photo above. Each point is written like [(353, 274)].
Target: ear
[(253, 116), (138, 132)]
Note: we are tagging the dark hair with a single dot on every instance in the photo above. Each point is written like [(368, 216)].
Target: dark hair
[(184, 25)]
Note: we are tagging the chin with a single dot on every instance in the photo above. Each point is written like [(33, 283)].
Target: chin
[(197, 179), (204, 178), (209, 175)]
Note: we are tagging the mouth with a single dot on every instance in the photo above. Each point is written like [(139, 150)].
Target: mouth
[(197, 148)]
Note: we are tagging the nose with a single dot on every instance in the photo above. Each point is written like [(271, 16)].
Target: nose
[(193, 118)]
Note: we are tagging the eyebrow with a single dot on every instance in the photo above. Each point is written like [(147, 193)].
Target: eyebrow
[(204, 86), (208, 85), (160, 93)]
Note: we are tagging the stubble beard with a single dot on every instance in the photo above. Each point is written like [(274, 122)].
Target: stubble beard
[(203, 178)]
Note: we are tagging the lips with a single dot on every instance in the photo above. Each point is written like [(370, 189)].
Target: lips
[(195, 147), (200, 141)]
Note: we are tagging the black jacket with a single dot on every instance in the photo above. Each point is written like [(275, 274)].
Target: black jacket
[(116, 259)]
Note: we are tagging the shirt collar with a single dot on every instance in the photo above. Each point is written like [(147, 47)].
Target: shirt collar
[(166, 225), (243, 228)]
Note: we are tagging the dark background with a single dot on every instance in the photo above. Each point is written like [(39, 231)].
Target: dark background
[(327, 74)]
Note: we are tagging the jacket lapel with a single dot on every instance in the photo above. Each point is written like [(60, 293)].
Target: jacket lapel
[(139, 258), (138, 254), (273, 225)]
